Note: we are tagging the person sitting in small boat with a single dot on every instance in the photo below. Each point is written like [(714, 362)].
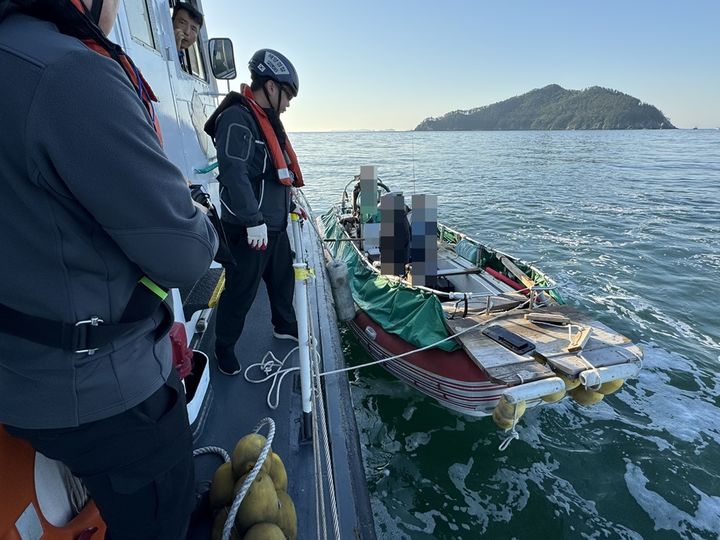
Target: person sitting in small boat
[(258, 169), (187, 21)]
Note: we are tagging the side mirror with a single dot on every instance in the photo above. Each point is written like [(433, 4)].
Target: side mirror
[(222, 58)]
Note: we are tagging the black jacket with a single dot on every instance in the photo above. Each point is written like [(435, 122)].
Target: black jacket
[(250, 191), (90, 203)]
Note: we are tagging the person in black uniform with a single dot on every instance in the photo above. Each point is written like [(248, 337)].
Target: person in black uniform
[(97, 224), (258, 169)]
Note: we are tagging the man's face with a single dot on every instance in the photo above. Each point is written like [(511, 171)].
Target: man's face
[(186, 29), (275, 90)]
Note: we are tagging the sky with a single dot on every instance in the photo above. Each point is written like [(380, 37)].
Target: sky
[(379, 65)]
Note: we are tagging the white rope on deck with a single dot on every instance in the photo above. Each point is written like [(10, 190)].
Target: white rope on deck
[(212, 450), (269, 363)]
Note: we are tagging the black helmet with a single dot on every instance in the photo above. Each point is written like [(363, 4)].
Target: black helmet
[(269, 64)]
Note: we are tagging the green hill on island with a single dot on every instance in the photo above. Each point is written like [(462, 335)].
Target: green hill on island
[(553, 107)]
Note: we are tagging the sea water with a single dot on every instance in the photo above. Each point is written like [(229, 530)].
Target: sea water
[(628, 224)]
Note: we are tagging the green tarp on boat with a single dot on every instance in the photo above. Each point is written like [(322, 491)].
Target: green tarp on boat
[(414, 315)]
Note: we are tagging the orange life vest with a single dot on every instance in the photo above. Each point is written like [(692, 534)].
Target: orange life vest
[(141, 86), (284, 159)]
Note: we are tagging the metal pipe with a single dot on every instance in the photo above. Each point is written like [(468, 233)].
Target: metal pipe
[(302, 274), (534, 390)]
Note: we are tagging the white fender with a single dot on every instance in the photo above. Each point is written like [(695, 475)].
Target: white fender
[(534, 390), (592, 378)]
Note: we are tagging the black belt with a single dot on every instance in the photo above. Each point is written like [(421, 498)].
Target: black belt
[(88, 335)]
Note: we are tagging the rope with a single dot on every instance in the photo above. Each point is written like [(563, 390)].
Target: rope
[(397, 356), (513, 432), (319, 422), (212, 450), (230, 521), (77, 492), (321, 426), (510, 438), (266, 365)]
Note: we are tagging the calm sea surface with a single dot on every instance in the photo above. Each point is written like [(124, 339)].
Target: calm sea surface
[(628, 223)]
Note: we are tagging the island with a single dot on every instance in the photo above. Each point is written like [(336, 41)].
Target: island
[(552, 108)]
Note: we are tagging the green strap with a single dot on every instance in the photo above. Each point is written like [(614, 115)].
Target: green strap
[(207, 169), (154, 287)]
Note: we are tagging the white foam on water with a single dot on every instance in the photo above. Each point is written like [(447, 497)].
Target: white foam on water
[(427, 519), (415, 440), (665, 515), (408, 412), (688, 415), (385, 525)]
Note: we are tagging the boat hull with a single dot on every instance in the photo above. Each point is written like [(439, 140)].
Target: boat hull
[(451, 378)]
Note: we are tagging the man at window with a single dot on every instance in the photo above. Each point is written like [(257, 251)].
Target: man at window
[(187, 21)]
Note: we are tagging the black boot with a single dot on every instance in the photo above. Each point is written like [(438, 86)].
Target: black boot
[(227, 362)]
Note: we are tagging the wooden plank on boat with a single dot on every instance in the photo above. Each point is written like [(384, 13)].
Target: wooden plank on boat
[(499, 363), (602, 346), (522, 276), (579, 339), (554, 318), (572, 364)]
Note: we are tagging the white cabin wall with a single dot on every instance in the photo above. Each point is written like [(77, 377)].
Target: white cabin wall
[(184, 101)]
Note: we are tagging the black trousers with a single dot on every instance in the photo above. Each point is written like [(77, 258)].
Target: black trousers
[(137, 465), (274, 266)]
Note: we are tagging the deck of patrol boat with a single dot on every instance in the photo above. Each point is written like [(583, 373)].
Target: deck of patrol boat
[(234, 406)]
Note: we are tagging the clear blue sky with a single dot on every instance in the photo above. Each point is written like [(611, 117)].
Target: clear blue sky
[(388, 64)]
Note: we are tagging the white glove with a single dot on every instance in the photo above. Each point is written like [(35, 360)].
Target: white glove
[(257, 236)]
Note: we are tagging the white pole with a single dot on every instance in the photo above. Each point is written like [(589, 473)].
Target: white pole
[(302, 274)]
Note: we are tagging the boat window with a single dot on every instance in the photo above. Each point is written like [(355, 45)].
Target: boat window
[(190, 56), (196, 65), (139, 21)]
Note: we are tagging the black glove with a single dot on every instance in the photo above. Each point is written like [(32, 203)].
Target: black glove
[(200, 196)]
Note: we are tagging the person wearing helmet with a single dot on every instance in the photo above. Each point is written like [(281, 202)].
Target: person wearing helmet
[(97, 224), (258, 168)]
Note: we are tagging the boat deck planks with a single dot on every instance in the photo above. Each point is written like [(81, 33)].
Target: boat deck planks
[(604, 347), (498, 362)]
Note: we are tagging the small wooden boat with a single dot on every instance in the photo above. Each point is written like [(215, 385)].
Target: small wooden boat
[(491, 336)]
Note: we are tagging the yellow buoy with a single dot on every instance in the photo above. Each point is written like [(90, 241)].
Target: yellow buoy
[(264, 531), (278, 472), (570, 384), (219, 524), (260, 503), (247, 451), (586, 397), (554, 397), (505, 413), (611, 387), (287, 518), (221, 490)]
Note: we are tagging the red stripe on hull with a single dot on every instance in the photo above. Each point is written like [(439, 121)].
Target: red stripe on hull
[(451, 378), (455, 365)]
